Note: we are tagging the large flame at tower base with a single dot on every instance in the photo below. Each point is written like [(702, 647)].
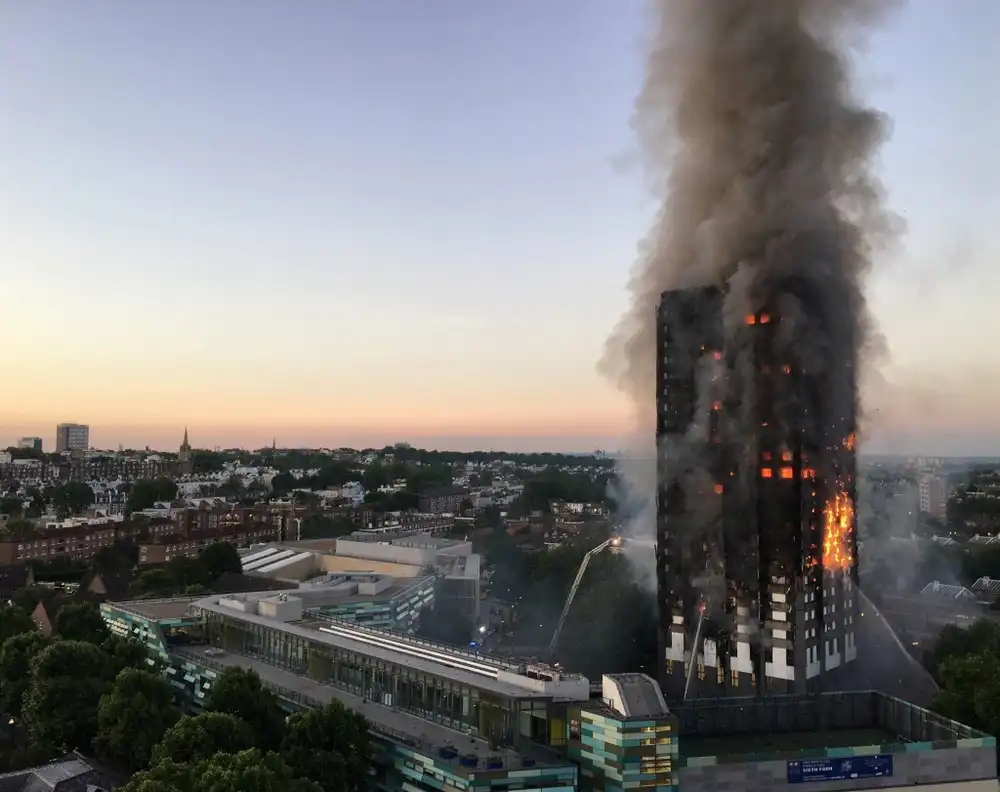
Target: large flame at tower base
[(838, 526)]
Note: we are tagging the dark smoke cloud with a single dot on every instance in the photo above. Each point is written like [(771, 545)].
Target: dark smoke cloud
[(749, 129), (761, 156)]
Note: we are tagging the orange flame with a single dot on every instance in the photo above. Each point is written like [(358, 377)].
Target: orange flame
[(838, 518), (849, 442)]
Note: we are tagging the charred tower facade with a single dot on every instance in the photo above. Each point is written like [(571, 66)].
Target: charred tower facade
[(756, 547)]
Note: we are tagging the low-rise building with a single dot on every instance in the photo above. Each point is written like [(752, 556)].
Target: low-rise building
[(457, 570), (159, 549), (443, 717), (73, 773), (79, 541), (627, 739), (447, 500)]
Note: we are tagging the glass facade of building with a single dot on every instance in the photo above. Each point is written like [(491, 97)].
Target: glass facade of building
[(405, 688), (617, 754), (404, 768), (398, 612), (397, 765), (159, 636)]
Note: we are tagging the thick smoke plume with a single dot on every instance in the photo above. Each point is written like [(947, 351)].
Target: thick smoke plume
[(761, 156)]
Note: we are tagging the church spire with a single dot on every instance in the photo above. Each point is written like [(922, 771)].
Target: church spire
[(185, 446)]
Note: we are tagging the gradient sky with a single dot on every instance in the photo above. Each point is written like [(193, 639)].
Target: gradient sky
[(359, 222)]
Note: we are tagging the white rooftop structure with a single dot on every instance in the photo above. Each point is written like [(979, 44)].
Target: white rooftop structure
[(945, 591), (987, 586), (633, 695), (275, 565), (266, 559)]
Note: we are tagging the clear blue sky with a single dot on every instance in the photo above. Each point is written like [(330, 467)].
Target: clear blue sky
[(408, 219)]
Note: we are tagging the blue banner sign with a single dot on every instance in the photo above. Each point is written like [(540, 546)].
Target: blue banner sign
[(839, 769)]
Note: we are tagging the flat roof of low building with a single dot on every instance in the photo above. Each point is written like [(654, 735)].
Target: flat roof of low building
[(420, 734), (491, 674), (396, 586), (381, 650), (156, 609)]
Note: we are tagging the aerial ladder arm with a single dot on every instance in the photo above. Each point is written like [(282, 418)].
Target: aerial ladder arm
[(614, 541)]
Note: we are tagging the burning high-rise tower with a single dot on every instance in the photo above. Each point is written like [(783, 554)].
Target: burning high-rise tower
[(756, 548)]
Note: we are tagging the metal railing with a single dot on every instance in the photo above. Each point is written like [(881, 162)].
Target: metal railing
[(409, 640), (126, 607)]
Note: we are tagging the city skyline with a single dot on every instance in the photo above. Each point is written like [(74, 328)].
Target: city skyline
[(333, 236)]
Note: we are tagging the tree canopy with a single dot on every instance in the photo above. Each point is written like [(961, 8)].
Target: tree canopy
[(331, 745), (185, 573), (107, 697), (68, 679), (81, 621), (147, 492), (239, 692), (133, 716), (195, 738), (966, 665), (71, 498), (14, 620), (17, 657), (247, 771)]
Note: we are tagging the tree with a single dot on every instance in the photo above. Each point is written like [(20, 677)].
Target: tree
[(203, 461), (147, 492), (125, 653), (232, 487), (219, 559), (14, 621), (36, 503), (28, 597), (81, 621), (11, 505), (330, 745), (239, 692), (68, 679), (429, 477), (256, 492), (283, 483), (133, 717), (982, 637), (195, 738), (321, 526), (17, 654), (970, 690), (121, 556), (392, 501), (247, 771), (375, 476), (72, 498), (186, 571), (152, 580)]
